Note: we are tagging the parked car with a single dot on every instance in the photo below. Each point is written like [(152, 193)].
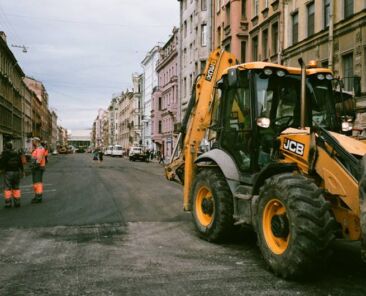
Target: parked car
[(136, 153), (109, 150), (117, 151)]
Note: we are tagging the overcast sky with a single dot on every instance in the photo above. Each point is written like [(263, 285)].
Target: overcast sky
[(84, 51)]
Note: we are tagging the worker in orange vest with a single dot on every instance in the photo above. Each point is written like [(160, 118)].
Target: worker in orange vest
[(38, 165), (11, 163)]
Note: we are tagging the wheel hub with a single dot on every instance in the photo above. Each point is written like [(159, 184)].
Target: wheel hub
[(280, 226), (207, 206)]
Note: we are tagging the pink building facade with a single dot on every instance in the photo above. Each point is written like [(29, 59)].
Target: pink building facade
[(165, 98)]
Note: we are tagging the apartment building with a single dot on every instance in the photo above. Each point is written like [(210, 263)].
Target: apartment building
[(266, 30), (113, 121), (165, 97), (334, 34), (99, 129), (150, 81), (12, 92), (42, 118), (130, 114), (194, 45), (230, 27)]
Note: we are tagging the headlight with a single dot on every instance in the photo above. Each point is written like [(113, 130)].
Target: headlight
[(280, 73), (320, 76), (329, 76), (268, 71)]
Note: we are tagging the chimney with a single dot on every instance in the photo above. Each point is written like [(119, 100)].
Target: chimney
[(3, 35)]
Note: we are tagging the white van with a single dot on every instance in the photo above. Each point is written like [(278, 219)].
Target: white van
[(109, 150), (117, 150)]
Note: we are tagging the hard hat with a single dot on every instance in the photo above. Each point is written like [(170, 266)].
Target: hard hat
[(36, 139)]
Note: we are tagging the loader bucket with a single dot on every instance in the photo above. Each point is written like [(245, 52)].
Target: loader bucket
[(362, 190)]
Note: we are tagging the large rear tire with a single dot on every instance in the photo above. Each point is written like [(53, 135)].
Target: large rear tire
[(212, 205), (294, 225)]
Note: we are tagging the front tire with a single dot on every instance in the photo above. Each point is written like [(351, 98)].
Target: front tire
[(294, 225), (212, 205)]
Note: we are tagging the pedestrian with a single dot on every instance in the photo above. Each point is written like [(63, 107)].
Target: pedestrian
[(147, 155), (162, 159), (100, 154), (38, 166), (95, 154), (12, 165)]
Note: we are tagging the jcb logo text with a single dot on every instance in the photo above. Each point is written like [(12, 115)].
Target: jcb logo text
[(294, 146)]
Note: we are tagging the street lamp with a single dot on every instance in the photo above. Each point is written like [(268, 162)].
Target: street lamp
[(25, 49)]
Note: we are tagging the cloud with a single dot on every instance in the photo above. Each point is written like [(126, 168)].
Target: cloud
[(84, 51)]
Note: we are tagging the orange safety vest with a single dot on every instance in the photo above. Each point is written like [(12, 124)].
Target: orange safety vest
[(39, 155)]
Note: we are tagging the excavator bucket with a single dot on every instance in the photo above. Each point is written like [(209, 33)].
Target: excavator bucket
[(362, 190)]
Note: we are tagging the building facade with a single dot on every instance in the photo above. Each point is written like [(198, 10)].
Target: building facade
[(53, 143), (113, 120), (230, 27), (42, 124), (164, 113), (150, 81), (130, 114), (12, 97), (334, 34), (194, 46), (99, 129)]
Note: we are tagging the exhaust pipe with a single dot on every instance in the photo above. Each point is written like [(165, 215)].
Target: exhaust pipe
[(303, 94)]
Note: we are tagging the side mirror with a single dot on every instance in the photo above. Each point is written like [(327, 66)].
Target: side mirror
[(263, 122), (347, 126), (357, 86), (232, 77)]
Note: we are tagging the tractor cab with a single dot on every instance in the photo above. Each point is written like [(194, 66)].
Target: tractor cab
[(255, 102)]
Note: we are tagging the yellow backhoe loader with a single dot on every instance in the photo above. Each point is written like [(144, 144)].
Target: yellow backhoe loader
[(261, 144)]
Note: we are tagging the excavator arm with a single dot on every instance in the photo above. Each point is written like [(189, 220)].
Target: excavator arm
[(196, 121)]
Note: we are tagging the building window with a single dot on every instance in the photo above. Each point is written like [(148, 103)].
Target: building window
[(160, 129), (227, 10), (243, 9), (228, 47), (311, 12), (255, 48), (204, 35), (159, 102), (190, 24), (185, 29), (203, 4), (265, 44), (295, 28), (243, 51), (274, 38), (255, 7), (190, 81), (326, 10), (348, 8), (203, 66), (348, 71), (325, 64), (184, 56), (219, 37), (184, 86), (218, 5)]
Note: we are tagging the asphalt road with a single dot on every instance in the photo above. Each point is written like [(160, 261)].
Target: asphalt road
[(117, 228)]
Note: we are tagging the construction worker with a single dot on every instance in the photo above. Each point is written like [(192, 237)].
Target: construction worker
[(11, 163), (38, 165)]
